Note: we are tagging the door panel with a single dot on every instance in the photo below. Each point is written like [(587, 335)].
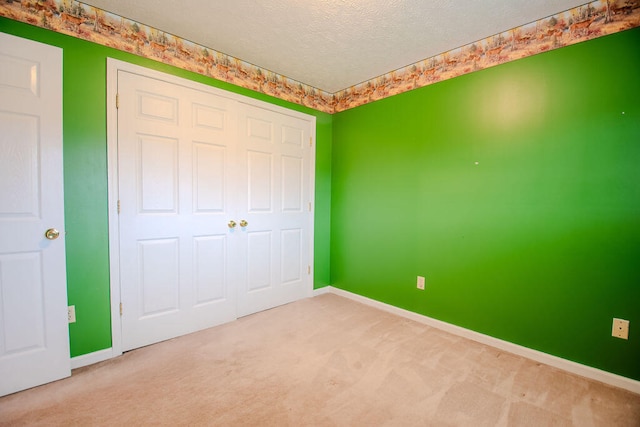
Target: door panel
[(292, 181), (19, 173), (275, 196), (158, 179), (259, 256), (23, 304), (259, 130), (260, 170), (34, 334), (159, 276), (291, 255), (209, 267), (174, 189), (208, 177), (153, 106)]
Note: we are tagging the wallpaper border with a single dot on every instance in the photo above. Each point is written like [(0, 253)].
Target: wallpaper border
[(73, 18), (589, 21)]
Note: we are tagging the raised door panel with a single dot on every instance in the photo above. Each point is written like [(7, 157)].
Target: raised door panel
[(209, 170), (22, 304), (210, 269), (157, 174), (260, 180), (259, 256), (19, 154), (291, 255), (159, 276), (292, 184)]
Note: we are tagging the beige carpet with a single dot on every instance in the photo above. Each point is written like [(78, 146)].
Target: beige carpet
[(325, 361)]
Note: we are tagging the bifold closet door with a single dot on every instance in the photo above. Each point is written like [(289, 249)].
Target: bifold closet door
[(215, 215), (274, 177), (176, 155)]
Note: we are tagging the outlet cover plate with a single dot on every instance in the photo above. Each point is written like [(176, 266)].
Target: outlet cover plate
[(421, 283), (620, 329), (71, 313)]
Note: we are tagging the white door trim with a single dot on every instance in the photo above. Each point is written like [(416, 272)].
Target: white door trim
[(112, 188), (113, 66)]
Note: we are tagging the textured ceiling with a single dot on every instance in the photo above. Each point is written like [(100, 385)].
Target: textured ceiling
[(334, 44)]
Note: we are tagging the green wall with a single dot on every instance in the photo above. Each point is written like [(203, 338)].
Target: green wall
[(537, 244), (85, 174)]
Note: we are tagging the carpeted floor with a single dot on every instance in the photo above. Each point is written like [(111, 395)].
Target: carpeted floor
[(324, 361)]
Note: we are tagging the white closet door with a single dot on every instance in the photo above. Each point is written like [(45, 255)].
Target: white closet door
[(175, 158), (274, 175), (34, 333), (189, 162)]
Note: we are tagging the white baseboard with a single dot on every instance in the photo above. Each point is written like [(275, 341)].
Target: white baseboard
[(321, 291), (91, 358), (538, 356)]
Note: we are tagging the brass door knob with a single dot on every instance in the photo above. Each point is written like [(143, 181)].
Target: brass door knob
[(52, 234), (232, 224), (243, 223)]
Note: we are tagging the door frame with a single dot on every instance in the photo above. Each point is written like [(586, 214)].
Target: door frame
[(113, 67)]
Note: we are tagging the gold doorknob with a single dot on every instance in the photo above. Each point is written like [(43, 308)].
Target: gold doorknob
[(52, 234), (232, 224), (243, 223)]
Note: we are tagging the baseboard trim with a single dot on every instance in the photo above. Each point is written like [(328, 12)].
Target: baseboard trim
[(321, 291), (538, 356), (91, 358)]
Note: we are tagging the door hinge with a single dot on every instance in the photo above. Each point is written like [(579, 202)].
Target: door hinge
[(309, 206), (118, 206), (308, 269), (117, 101), (310, 141), (120, 309)]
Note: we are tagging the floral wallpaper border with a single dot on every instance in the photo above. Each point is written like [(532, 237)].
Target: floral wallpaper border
[(591, 20)]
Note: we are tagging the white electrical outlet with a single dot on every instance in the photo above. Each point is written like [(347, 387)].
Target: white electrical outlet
[(71, 313), (620, 329), (421, 283)]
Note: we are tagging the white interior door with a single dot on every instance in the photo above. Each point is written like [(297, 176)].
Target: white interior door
[(275, 201), (34, 335), (175, 152)]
